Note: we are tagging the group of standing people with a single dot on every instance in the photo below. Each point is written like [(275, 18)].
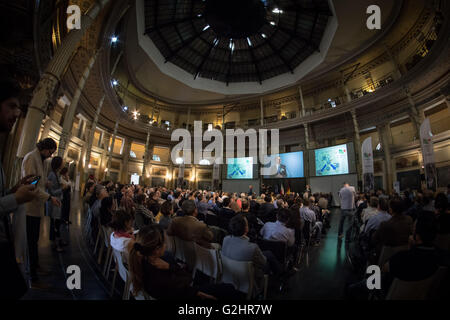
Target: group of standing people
[(23, 206)]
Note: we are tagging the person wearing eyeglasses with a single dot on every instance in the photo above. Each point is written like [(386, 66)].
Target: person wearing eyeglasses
[(34, 164)]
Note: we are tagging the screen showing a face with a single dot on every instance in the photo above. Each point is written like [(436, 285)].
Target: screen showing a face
[(331, 160), (288, 165), (240, 168)]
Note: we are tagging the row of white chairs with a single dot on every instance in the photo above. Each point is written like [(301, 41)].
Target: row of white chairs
[(219, 268)]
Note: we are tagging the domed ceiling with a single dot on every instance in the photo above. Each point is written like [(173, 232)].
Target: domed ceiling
[(236, 46), (236, 40)]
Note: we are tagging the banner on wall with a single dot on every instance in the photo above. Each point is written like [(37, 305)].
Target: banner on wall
[(428, 154), (367, 164)]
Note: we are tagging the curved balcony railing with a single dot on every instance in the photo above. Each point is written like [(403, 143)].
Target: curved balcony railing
[(370, 86)]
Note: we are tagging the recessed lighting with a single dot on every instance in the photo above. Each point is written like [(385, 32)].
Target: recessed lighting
[(249, 42), (215, 42), (276, 10), (114, 39), (115, 82), (272, 23), (263, 35), (125, 108)]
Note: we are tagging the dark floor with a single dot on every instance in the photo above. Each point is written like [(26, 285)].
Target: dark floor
[(327, 272), (54, 265), (324, 277)]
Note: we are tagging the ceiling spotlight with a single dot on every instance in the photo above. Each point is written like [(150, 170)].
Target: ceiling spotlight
[(199, 15), (272, 23), (263, 35), (215, 42), (276, 10), (125, 108), (249, 42), (206, 27), (115, 82), (114, 39)]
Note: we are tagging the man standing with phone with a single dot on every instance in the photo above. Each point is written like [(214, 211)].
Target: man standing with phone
[(33, 163), (11, 278)]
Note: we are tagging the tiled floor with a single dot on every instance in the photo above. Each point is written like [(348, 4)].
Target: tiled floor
[(324, 278)]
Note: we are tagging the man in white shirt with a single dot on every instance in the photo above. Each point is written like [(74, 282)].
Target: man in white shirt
[(347, 195), (277, 230)]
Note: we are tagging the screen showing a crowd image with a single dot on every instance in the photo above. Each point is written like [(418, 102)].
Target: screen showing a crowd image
[(288, 165), (240, 168), (331, 161)]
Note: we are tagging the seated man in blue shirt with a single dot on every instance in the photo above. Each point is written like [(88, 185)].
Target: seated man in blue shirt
[(374, 222), (278, 230)]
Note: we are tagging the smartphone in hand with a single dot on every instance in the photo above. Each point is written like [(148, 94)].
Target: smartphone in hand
[(35, 181)]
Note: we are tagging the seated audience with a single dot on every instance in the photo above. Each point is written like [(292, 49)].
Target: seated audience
[(142, 215), (307, 214), (238, 247), (278, 230), (122, 226), (266, 209), (189, 228), (395, 231), (225, 214), (106, 211), (369, 212), (167, 213), (382, 215), (165, 280)]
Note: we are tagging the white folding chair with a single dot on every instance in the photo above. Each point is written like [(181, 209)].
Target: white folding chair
[(124, 274), (208, 262), (409, 290), (240, 274), (185, 251), (387, 252)]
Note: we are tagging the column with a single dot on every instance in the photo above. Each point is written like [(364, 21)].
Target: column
[(358, 159), (70, 110), (45, 90), (383, 132), (146, 157), (306, 155), (415, 115), (346, 90), (126, 156), (111, 147), (91, 137), (47, 128), (302, 102), (261, 105)]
